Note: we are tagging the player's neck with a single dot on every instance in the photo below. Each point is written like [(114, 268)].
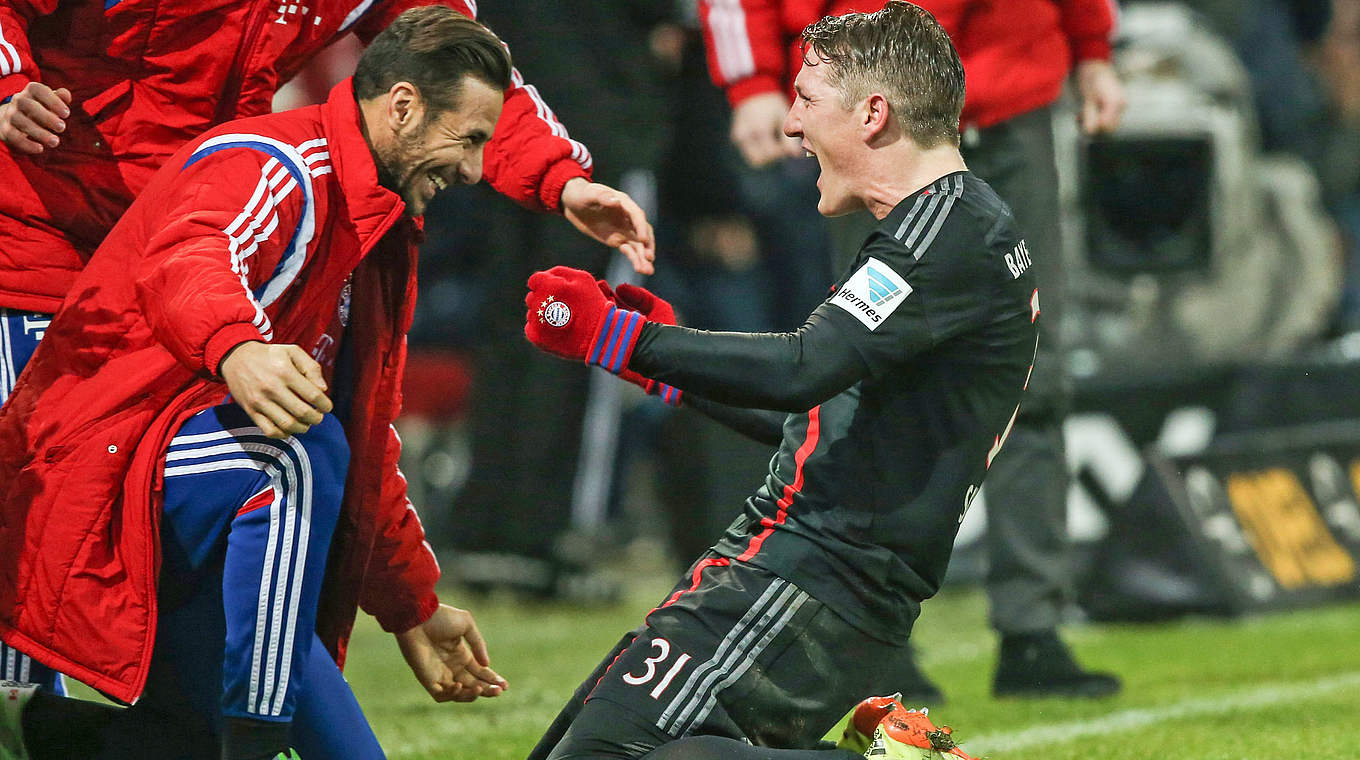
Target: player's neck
[(903, 170)]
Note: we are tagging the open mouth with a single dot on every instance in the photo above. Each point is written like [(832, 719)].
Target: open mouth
[(439, 182)]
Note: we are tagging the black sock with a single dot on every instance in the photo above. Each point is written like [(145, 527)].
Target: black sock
[(245, 739), (63, 728)]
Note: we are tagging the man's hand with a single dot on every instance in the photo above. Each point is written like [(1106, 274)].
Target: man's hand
[(758, 129), (32, 119), (449, 657), (279, 386), (1102, 97), (611, 217)]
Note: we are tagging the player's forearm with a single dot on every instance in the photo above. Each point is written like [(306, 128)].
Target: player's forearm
[(789, 372), (760, 425)]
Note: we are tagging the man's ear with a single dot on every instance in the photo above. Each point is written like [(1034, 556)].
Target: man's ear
[(875, 116), (405, 107)]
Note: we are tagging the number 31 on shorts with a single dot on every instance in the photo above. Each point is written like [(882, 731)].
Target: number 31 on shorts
[(652, 665)]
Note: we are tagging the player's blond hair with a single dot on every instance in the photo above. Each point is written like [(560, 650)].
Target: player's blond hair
[(904, 54)]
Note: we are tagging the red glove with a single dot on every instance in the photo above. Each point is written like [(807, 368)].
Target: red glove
[(653, 308), (645, 302), (569, 317)]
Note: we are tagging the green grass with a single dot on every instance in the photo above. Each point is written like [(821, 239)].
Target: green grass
[(1278, 686), (1283, 685)]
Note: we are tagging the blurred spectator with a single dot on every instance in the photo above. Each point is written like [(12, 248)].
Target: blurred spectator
[(1190, 246), (526, 409), (1303, 58), (1337, 58)]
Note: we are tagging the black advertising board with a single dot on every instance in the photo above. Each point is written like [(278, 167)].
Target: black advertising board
[(1261, 520)]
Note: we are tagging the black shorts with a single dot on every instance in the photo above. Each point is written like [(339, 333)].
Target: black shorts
[(734, 651)]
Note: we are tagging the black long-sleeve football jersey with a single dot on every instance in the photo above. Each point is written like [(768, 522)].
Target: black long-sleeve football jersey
[(899, 390)]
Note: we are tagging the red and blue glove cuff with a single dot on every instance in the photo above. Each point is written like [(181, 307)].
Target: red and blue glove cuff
[(668, 393), (613, 346)]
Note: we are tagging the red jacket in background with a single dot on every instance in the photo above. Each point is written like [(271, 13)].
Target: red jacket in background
[(1016, 53), (204, 260), (148, 76)]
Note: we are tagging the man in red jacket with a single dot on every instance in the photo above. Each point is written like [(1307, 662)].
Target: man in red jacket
[(1017, 55), (212, 408), (96, 97)]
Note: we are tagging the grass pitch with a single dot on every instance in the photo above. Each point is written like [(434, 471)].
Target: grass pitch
[(1282, 685)]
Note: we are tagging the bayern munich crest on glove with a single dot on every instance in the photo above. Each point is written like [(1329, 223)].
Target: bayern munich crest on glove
[(554, 313)]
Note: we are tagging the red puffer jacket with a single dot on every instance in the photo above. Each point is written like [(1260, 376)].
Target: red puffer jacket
[(149, 75), (203, 260), (1016, 53)]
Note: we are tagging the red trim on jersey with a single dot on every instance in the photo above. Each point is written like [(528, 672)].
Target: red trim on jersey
[(262, 499), (698, 568), (809, 443)]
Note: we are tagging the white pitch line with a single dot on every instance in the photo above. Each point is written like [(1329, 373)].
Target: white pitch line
[(1126, 720)]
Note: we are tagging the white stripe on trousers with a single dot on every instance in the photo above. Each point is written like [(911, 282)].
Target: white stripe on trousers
[(8, 372), (289, 533)]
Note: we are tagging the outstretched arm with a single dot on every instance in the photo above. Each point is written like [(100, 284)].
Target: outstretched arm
[(788, 372), (613, 218), (758, 424), (567, 315), (534, 161)]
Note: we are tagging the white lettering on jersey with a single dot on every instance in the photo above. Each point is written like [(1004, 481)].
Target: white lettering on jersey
[(872, 293), (36, 325), (1018, 260)]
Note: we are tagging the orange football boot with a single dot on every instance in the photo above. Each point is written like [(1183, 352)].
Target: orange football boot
[(909, 735)]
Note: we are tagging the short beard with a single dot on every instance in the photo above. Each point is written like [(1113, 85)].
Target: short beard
[(390, 160)]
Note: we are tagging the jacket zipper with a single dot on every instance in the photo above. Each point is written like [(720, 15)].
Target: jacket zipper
[(226, 107)]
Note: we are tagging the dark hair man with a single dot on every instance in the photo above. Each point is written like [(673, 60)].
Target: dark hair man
[(891, 402), (213, 402), (95, 95)]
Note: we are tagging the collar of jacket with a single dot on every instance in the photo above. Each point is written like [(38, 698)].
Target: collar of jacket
[(371, 206)]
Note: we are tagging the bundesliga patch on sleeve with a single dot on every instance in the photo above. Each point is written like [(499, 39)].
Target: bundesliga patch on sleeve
[(872, 293)]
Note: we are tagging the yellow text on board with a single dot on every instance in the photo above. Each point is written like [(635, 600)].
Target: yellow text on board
[(1286, 530)]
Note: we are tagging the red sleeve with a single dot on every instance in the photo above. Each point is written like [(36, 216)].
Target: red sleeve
[(747, 52), (402, 570), (530, 156), (17, 67), (1089, 28), (211, 270)]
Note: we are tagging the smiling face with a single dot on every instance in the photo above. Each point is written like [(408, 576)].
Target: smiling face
[(829, 131), (428, 155)]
